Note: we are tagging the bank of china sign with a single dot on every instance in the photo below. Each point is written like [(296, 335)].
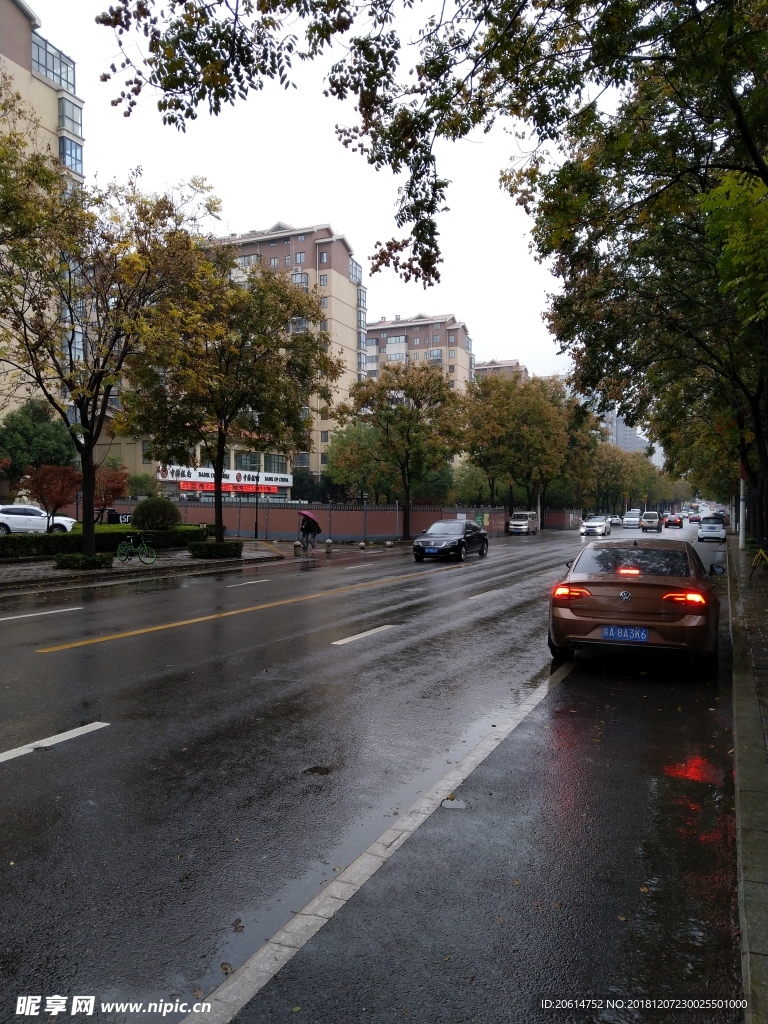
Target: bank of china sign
[(192, 479)]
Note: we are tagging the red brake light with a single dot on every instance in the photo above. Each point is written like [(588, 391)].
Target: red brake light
[(629, 572), (563, 593), (691, 598)]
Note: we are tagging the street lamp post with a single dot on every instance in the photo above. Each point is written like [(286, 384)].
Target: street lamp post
[(256, 525)]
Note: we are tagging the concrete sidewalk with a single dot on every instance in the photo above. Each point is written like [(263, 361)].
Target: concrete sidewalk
[(23, 577), (749, 634)]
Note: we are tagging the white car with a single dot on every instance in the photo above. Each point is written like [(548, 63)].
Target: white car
[(632, 518), (595, 526), (28, 519), (711, 528), (523, 522)]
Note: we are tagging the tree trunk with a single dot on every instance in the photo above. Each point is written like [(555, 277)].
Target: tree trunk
[(492, 488), (511, 498), (406, 506), (89, 488), (218, 476)]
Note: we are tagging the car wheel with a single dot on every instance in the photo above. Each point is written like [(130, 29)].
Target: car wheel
[(58, 528), (462, 552), (484, 549), (558, 653), (4, 530), (418, 558)]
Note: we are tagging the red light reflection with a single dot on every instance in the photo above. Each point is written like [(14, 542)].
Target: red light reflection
[(696, 769)]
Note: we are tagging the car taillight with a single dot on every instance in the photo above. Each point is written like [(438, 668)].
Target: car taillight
[(691, 598), (562, 593), (629, 572)]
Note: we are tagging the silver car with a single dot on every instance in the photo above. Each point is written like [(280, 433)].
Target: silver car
[(595, 526), (28, 519), (633, 518)]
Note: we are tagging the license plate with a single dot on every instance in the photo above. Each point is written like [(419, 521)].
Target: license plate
[(430, 551), (633, 634)]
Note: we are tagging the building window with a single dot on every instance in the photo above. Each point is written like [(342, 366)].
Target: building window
[(146, 458), (361, 297), (273, 243), (275, 464), (71, 154), (323, 325), (435, 339), (451, 369), (436, 354), (52, 63), (273, 262), (361, 320), (323, 257), (246, 261), (451, 353), (452, 384), (248, 461), (306, 412), (300, 257), (469, 345), (415, 341), (324, 436), (323, 458), (70, 116), (396, 339), (299, 238), (415, 357), (301, 460), (451, 339), (355, 272), (362, 341), (324, 302), (396, 357), (77, 346), (287, 261), (372, 360), (323, 280)]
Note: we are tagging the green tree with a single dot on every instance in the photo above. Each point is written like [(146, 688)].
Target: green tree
[(355, 462), (141, 483), (30, 436), (413, 412), (471, 484), (610, 470), (244, 368), (538, 437), (488, 410)]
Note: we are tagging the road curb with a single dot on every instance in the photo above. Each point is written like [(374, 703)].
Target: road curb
[(209, 567), (751, 785)]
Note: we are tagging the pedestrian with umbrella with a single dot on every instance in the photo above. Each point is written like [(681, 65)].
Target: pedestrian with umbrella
[(309, 530)]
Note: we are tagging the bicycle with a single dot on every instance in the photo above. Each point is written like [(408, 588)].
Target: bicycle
[(760, 556), (126, 549)]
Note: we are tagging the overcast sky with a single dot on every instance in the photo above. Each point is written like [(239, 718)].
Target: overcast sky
[(275, 157)]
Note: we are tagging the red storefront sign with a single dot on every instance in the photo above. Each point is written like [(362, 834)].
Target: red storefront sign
[(194, 485)]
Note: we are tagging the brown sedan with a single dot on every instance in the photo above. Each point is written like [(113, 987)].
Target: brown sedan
[(652, 593)]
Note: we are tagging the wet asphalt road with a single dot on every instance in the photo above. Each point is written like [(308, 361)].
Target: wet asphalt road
[(248, 756)]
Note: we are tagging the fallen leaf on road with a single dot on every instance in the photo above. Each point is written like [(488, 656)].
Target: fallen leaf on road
[(622, 917), (226, 968), (198, 993), (644, 888), (296, 1009), (517, 881)]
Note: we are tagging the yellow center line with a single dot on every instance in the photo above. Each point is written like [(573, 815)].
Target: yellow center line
[(244, 611)]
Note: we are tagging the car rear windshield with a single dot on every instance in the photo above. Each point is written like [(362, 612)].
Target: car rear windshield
[(449, 529), (713, 519), (521, 515), (647, 561)]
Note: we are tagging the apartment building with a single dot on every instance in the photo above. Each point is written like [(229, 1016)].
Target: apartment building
[(510, 368), (443, 340), (45, 79)]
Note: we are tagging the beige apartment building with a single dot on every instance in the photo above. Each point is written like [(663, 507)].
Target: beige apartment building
[(442, 340), (510, 368)]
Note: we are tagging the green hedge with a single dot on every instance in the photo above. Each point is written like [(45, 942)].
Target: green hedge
[(78, 561), (210, 549), (25, 545)]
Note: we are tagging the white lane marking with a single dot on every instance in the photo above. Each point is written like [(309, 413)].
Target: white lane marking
[(32, 615), (241, 986), (362, 565), (485, 593), (248, 584), (50, 741), (357, 636)]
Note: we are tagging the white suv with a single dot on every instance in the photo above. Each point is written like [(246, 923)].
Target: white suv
[(28, 519), (651, 521), (632, 517)]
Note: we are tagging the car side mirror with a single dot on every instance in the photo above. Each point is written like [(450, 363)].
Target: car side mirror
[(423, 531), (569, 564), (716, 570)]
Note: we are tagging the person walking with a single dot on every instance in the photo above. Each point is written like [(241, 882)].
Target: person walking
[(309, 532)]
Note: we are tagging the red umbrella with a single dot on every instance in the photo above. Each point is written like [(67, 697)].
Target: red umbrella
[(310, 515)]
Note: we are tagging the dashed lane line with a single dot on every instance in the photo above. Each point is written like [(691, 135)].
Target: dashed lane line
[(241, 986), (249, 583), (51, 741), (245, 611), (358, 636), (33, 615)]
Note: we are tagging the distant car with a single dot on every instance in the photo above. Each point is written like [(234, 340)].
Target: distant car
[(675, 520), (615, 520), (651, 594), (595, 526), (651, 521), (723, 515), (632, 518), (694, 517), (711, 528), (524, 522), (28, 519), (449, 537)]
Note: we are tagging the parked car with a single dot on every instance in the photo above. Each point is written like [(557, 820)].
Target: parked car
[(451, 537), (524, 522), (723, 515), (28, 519), (711, 528), (632, 518), (652, 594), (694, 517), (595, 526), (651, 521), (675, 520)]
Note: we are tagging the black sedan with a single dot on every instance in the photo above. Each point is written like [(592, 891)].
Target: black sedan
[(451, 537), (674, 520)]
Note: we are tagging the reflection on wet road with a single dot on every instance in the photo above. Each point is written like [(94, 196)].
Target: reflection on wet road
[(250, 756)]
